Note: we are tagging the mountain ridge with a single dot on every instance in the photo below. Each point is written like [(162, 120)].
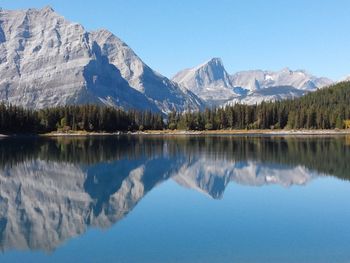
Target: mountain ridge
[(246, 86), (47, 60)]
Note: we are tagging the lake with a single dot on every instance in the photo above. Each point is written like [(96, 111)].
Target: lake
[(175, 199)]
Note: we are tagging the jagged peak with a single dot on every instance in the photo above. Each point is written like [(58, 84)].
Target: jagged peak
[(211, 62), (47, 9), (215, 60)]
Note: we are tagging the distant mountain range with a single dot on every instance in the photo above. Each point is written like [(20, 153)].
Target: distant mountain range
[(47, 61), (211, 82)]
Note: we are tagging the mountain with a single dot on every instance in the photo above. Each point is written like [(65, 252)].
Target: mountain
[(209, 81), (298, 79), (46, 60), (273, 93), (214, 85), (166, 94)]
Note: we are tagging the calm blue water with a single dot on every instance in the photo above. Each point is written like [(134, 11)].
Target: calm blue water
[(197, 199)]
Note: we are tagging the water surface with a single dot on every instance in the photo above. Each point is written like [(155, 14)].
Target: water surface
[(175, 199)]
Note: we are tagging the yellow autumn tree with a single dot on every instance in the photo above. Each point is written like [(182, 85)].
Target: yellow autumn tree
[(347, 124)]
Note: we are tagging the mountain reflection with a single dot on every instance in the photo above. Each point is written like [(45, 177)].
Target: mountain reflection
[(54, 189)]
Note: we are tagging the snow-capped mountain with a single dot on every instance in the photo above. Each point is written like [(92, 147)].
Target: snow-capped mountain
[(46, 60), (213, 84)]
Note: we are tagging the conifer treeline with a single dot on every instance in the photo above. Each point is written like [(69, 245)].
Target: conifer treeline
[(328, 108), (90, 118)]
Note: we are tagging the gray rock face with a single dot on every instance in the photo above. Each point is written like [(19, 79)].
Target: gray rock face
[(269, 94), (214, 85), (298, 79), (165, 94), (209, 81), (47, 61)]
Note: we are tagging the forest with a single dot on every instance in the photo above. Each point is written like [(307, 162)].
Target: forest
[(326, 108), (90, 118)]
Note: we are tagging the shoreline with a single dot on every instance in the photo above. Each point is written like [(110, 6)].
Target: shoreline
[(250, 132), (189, 133)]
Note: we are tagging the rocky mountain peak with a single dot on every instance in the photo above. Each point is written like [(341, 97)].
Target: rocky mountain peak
[(213, 63), (214, 85), (209, 81), (47, 9), (213, 70), (46, 60)]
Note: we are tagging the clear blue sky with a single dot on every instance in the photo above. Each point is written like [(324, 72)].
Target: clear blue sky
[(170, 35)]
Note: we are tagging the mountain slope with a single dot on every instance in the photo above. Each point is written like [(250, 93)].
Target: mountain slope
[(269, 94), (166, 94), (46, 60)]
